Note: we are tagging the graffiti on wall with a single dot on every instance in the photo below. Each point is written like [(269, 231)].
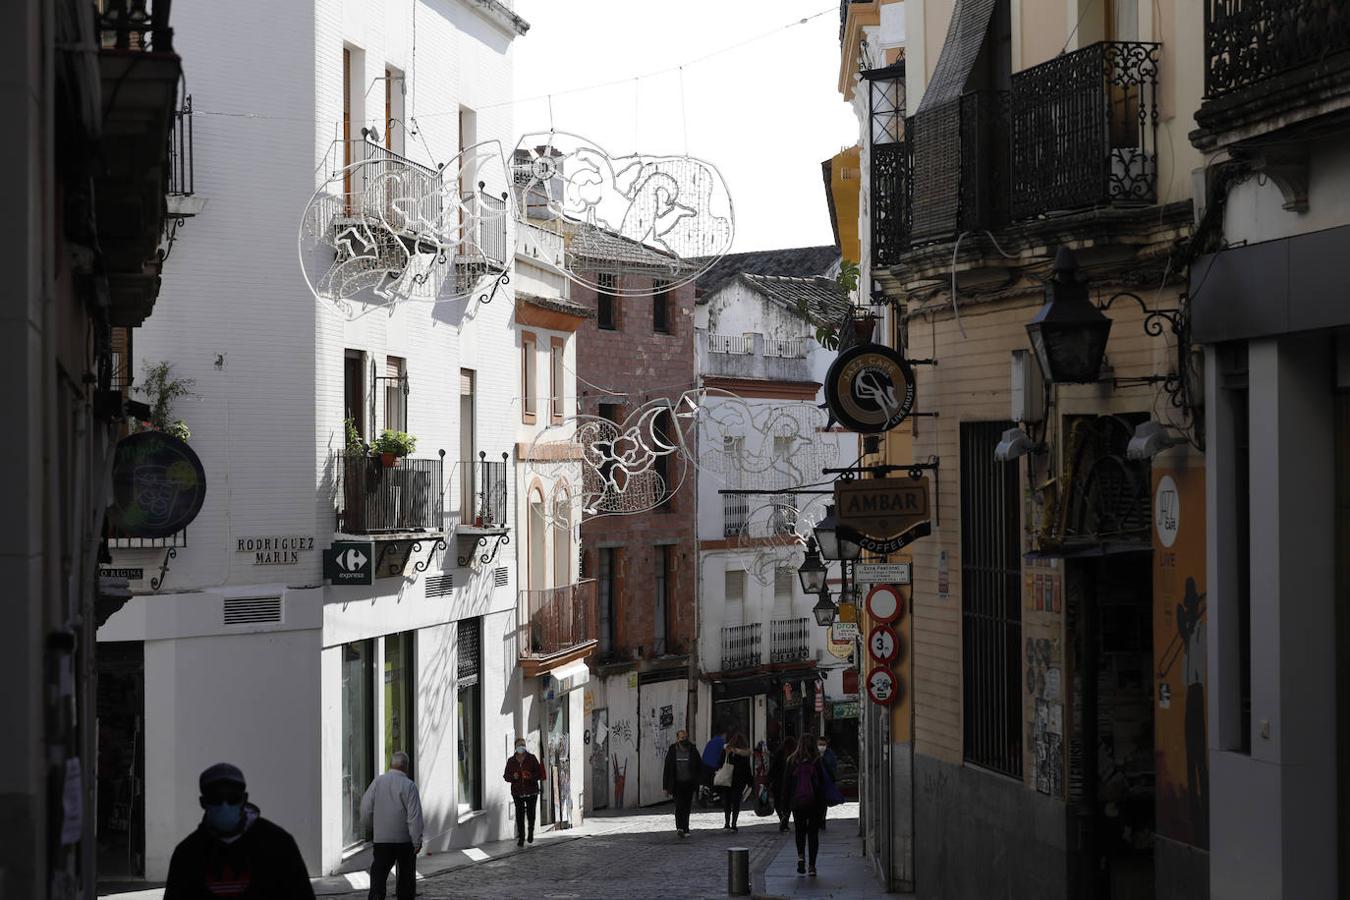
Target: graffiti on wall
[(1180, 655)]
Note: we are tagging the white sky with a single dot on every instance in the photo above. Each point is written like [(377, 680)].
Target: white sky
[(766, 114)]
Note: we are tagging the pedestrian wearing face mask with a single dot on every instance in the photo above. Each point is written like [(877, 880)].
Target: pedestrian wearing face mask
[(235, 852), (394, 805), (524, 773)]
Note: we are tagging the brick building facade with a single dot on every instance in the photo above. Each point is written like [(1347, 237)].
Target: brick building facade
[(636, 351)]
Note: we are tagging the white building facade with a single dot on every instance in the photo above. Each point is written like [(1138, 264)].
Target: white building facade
[(241, 650), (763, 657)]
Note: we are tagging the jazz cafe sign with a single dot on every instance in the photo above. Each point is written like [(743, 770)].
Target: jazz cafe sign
[(885, 513), (869, 388), (158, 485)]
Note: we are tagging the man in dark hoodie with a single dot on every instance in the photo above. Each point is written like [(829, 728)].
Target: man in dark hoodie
[(235, 852), (684, 771)]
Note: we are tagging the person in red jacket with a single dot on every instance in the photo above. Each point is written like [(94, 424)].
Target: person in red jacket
[(524, 773)]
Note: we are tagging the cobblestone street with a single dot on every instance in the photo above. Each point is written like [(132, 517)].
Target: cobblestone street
[(636, 855)]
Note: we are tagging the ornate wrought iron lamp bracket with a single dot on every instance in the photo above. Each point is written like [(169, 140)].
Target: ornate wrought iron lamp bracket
[(1177, 321)]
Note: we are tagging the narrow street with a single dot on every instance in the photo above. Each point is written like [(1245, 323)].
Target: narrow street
[(636, 854)]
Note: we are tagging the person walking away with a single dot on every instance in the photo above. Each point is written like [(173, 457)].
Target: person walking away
[(684, 771), (806, 781), (712, 759), (831, 764), (737, 755), (782, 793), (394, 806), (524, 773), (234, 852)]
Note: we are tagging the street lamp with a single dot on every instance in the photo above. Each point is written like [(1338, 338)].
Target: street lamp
[(812, 571), (824, 610), (1069, 333), (836, 543)]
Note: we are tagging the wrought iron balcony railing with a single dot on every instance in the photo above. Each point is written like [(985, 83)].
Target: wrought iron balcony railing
[(136, 25), (483, 490), (556, 620), (959, 166), (741, 647), (181, 170), (789, 640), (373, 499), (735, 514), (731, 343), (1249, 41), (890, 202), (1084, 129)]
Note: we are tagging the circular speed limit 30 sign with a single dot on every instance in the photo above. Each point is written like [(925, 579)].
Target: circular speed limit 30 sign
[(882, 686)]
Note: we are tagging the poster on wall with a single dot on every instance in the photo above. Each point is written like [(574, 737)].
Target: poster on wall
[(1180, 655)]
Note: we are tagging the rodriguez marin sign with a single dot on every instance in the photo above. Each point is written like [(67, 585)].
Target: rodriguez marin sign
[(274, 550)]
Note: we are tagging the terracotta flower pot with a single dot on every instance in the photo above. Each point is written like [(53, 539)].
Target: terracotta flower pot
[(389, 459)]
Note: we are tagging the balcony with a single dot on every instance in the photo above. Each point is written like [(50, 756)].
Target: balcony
[(140, 75), (1272, 65), (790, 640), (890, 202), (753, 355), (1084, 130), (375, 500), (483, 493), (741, 647), (959, 166), (556, 626)]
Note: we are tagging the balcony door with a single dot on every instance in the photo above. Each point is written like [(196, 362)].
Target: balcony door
[(468, 447), (353, 391), (537, 529)]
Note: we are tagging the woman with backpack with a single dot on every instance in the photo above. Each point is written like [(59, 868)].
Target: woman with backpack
[(804, 785), (735, 755)]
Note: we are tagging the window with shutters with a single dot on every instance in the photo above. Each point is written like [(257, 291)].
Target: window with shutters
[(606, 583), (557, 379), (394, 384), (784, 588), (469, 715), (353, 391), (528, 399)]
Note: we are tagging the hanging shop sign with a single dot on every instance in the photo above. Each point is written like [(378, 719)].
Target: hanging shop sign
[(885, 513), (158, 485), (840, 647), (274, 549), (882, 686), (844, 631), (845, 709), (883, 644), (130, 574), (350, 562), (885, 603), (884, 573), (870, 388), (850, 679)]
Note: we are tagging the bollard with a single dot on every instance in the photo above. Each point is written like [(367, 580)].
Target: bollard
[(738, 871)]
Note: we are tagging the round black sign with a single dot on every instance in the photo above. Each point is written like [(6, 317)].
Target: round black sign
[(870, 388), (158, 485)]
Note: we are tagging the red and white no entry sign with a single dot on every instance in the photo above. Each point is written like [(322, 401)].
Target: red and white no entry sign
[(882, 686), (883, 644), (884, 603)]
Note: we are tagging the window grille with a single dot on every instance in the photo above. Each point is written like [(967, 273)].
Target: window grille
[(470, 652), (991, 609)]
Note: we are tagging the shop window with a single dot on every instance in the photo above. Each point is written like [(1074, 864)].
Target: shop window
[(400, 692), (358, 735)]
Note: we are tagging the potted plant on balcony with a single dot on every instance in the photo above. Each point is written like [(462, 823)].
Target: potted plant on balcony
[(390, 446)]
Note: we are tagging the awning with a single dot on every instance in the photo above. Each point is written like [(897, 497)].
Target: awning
[(965, 36)]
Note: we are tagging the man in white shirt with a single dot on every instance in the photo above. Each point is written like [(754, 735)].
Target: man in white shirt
[(395, 807)]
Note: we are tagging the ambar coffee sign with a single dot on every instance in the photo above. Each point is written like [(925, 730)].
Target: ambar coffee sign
[(886, 513), (870, 388), (158, 485)]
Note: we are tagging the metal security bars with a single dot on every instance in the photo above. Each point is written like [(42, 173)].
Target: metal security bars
[(181, 171), (741, 647), (789, 640), (1249, 41), (991, 609), (372, 498), (735, 514), (1084, 129), (557, 619)]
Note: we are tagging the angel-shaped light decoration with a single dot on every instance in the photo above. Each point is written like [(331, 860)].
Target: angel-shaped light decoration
[(666, 218), (381, 229)]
